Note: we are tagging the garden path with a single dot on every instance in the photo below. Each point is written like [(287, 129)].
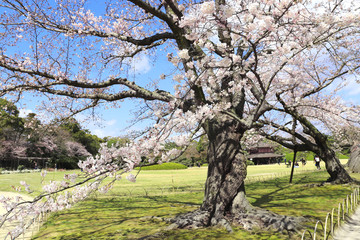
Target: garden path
[(4, 230), (350, 230)]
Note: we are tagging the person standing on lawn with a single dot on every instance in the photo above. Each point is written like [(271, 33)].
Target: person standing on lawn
[(317, 162)]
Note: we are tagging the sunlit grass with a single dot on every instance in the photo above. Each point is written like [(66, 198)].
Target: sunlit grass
[(9, 181), (148, 181), (125, 212), (116, 216)]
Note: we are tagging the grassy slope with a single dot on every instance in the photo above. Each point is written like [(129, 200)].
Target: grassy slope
[(124, 212)]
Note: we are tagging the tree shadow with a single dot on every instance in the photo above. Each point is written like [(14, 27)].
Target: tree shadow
[(291, 198)]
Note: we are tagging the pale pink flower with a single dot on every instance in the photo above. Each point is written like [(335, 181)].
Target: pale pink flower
[(207, 8), (184, 53), (131, 178)]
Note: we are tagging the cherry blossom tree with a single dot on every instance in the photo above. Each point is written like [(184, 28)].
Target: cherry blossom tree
[(314, 120), (232, 63), (317, 114)]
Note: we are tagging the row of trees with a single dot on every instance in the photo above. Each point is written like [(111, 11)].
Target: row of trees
[(30, 143)]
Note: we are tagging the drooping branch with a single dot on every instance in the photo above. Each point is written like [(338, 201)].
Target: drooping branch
[(42, 83), (287, 142), (44, 195), (308, 126)]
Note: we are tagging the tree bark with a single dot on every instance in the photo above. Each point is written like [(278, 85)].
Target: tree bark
[(224, 187), (354, 160), (337, 172)]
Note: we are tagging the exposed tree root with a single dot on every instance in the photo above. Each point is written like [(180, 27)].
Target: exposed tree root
[(256, 218), (341, 181), (259, 218), (195, 219)]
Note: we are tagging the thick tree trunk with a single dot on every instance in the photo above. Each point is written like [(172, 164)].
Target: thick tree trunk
[(225, 200), (337, 172), (224, 188), (354, 160)]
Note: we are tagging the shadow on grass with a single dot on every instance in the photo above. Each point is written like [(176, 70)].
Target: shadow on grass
[(302, 198), (167, 200), (113, 217)]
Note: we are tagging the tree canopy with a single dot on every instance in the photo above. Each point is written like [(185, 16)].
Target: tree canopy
[(236, 67)]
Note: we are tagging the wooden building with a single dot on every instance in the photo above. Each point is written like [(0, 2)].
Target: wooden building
[(263, 153)]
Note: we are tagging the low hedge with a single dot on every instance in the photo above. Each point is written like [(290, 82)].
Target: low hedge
[(164, 166)]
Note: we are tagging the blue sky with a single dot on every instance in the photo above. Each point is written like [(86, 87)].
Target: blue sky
[(113, 122), (351, 92)]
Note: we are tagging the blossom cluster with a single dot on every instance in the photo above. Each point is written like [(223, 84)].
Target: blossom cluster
[(238, 61)]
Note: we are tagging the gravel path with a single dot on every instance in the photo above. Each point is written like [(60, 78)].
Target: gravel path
[(8, 226), (350, 230)]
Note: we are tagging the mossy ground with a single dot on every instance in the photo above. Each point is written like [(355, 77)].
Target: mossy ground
[(126, 211)]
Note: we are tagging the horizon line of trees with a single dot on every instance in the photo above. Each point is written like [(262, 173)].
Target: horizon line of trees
[(26, 142)]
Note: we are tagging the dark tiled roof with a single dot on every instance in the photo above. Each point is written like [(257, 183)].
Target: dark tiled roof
[(262, 145), (264, 155)]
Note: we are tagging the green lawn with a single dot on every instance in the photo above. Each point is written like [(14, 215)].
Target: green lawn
[(125, 212), (153, 181)]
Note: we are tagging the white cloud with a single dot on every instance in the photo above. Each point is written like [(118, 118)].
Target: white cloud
[(351, 92), (24, 112), (98, 126), (140, 64), (99, 132), (110, 122), (105, 132), (352, 88)]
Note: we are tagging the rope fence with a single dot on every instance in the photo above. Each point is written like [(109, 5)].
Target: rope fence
[(344, 210), (263, 178)]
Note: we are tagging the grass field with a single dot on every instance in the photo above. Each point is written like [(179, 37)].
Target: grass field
[(125, 212), (152, 181)]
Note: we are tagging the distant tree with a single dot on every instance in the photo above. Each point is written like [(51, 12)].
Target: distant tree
[(68, 151), (202, 147), (171, 145), (11, 130), (33, 128), (40, 140), (11, 125), (24, 138), (116, 141), (89, 141)]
